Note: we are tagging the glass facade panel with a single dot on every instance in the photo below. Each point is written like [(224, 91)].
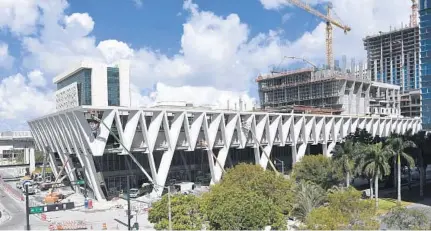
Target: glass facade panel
[(113, 86), (83, 79), (425, 39)]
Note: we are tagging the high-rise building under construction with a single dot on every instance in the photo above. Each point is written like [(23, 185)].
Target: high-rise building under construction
[(326, 91), (425, 35), (393, 57)]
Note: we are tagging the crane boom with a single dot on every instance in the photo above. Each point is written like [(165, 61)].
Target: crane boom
[(308, 8), (329, 22)]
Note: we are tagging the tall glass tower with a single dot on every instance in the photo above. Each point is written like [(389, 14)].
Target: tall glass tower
[(425, 40)]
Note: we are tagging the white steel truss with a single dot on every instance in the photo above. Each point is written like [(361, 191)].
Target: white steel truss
[(147, 130)]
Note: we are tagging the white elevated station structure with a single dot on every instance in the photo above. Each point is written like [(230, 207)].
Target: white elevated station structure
[(150, 132)]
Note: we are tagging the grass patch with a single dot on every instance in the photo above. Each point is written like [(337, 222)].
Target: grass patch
[(386, 204), (39, 170)]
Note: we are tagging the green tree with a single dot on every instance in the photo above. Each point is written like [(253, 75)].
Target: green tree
[(308, 197), (231, 208), (361, 136), (374, 162), (396, 145), (401, 218), (186, 213), (248, 197), (343, 158), (317, 169), (250, 177), (345, 210), (38, 156), (422, 152)]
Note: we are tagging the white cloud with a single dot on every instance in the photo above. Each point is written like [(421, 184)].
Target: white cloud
[(365, 17), (20, 101), (286, 17), (6, 60), (79, 24), (138, 3), (113, 50), (198, 96), (20, 16), (36, 79), (215, 51)]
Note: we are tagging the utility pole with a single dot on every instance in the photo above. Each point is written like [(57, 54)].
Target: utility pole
[(128, 203), (85, 183), (169, 208), (27, 207)]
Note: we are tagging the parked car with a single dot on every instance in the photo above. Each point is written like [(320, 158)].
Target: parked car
[(134, 193)]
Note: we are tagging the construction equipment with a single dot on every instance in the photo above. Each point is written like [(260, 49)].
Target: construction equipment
[(414, 15), (54, 197), (329, 22)]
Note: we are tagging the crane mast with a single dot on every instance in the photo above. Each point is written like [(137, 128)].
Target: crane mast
[(329, 22)]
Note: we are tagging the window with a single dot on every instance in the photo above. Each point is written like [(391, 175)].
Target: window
[(83, 79), (113, 86)]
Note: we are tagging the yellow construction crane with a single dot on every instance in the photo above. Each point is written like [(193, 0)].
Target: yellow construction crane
[(329, 22)]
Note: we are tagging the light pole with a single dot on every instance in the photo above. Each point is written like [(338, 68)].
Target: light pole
[(169, 208), (129, 227), (27, 207), (247, 127), (169, 203), (282, 164)]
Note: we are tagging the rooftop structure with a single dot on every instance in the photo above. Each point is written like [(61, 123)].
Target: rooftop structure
[(328, 92), (91, 83), (176, 145)]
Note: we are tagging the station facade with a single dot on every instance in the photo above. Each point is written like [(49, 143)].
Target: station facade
[(171, 145)]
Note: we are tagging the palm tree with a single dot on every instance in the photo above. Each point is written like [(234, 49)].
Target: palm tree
[(308, 197), (374, 162), (358, 160), (397, 145), (423, 148), (343, 157)]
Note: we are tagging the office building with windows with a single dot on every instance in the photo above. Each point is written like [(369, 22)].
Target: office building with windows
[(96, 84), (425, 41)]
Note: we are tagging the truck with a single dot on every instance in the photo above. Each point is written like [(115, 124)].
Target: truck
[(31, 187), (184, 187)]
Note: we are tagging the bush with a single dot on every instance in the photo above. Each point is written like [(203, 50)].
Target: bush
[(185, 211), (401, 218), (237, 209), (254, 178), (317, 169), (345, 210)]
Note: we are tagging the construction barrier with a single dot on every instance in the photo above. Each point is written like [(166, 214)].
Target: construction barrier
[(69, 225), (43, 217), (17, 194), (104, 226)]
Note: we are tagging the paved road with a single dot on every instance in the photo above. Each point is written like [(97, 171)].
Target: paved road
[(16, 211)]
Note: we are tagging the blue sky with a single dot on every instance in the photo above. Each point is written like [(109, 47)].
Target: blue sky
[(159, 22), (199, 51)]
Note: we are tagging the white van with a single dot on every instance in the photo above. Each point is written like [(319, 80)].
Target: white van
[(184, 187)]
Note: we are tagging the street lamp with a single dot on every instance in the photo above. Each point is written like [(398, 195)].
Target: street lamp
[(247, 127), (282, 164), (169, 203)]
